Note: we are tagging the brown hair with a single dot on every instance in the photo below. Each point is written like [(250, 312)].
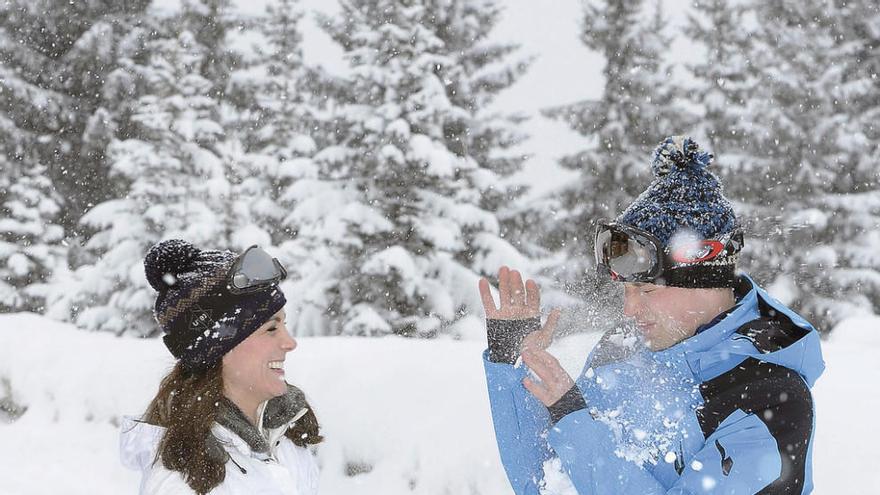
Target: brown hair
[(186, 405)]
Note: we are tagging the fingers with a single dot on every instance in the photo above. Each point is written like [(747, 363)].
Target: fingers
[(503, 286), (555, 382), (539, 391), (511, 290), (535, 340), (486, 296), (533, 296), (529, 341), (537, 360), (517, 291), (542, 339), (549, 329), (551, 369)]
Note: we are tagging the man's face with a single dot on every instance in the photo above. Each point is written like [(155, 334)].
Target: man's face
[(668, 315)]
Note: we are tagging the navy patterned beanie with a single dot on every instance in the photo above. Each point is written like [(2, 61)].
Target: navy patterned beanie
[(686, 199), (200, 318)]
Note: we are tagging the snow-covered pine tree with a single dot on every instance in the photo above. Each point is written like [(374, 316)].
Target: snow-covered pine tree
[(237, 86), (839, 275), (176, 169), (812, 149), (30, 238), (724, 79), (853, 203), (726, 84), (629, 119), (396, 221), (54, 59), (277, 99), (55, 123), (210, 22)]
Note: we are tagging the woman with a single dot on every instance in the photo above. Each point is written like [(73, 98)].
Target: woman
[(224, 420)]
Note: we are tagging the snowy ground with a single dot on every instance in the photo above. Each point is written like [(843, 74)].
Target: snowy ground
[(415, 411)]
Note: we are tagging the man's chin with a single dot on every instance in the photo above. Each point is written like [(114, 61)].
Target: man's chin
[(655, 345), (648, 333)]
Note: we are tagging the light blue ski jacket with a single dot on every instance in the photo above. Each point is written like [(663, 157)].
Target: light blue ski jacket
[(725, 411)]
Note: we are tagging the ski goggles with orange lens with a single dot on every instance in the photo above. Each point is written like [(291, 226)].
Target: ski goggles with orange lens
[(630, 254)]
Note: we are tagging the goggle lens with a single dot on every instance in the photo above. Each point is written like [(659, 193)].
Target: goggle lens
[(625, 256), (254, 270)]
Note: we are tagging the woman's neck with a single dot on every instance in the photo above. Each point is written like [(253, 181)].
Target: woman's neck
[(248, 405)]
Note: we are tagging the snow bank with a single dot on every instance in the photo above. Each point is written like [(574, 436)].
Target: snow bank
[(848, 403), (400, 416), (409, 416)]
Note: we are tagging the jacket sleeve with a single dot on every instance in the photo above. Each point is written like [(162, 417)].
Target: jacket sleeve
[(521, 424), (739, 458)]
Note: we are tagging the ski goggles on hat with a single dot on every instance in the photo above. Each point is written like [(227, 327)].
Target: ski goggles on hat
[(630, 254), (254, 270)]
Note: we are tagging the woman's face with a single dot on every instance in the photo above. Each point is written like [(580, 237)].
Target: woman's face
[(253, 371)]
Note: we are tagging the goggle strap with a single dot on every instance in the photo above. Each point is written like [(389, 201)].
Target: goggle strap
[(701, 276)]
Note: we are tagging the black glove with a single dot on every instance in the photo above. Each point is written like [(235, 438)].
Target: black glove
[(572, 401), (506, 337)]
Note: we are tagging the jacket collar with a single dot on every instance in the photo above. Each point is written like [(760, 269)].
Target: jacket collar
[(274, 418), (234, 421), (716, 350)]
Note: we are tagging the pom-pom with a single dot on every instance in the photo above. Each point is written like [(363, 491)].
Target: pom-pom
[(679, 152), (168, 259)]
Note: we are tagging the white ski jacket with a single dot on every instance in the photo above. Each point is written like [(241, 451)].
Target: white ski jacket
[(286, 470)]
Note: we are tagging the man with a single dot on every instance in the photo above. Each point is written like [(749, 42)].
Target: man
[(712, 397)]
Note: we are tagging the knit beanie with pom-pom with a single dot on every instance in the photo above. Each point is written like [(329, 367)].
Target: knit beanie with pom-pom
[(200, 318), (685, 204)]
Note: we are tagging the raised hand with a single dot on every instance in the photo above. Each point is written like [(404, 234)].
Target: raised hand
[(522, 301), (518, 301)]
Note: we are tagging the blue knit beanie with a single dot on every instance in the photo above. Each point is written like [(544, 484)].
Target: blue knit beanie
[(200, 318), (685, 198)]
